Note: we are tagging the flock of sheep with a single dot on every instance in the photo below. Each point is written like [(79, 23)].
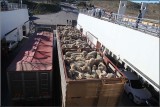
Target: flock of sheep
[(81, 61)]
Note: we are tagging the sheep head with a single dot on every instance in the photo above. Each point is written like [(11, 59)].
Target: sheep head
[(84, 53), (101, 66), (73, 66)]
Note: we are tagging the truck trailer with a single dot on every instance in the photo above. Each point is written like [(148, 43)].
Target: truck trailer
[(30, 74), (88, 77)]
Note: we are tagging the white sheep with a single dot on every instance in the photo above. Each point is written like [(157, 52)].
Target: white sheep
[(88, 57), (90, 62), (85, 69), (94, 53), (101, 74), (73, 66), (101, 66), (94, 69), (84, 53), (110, 75), (68, 54), (80, 75)]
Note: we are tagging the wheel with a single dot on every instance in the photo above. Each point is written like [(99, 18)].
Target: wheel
[(130, 96)]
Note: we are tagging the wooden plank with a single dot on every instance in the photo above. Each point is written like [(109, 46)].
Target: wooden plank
[(81, 89), (62, 71), (108, 101), (110, 94), (82, 101), (111, 89)]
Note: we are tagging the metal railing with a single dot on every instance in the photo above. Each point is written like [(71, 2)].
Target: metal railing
[(145, 25), (13, 6)]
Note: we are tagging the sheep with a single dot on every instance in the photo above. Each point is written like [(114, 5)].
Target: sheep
[(85, 69), (98, 72), (72, 73), (65, 41), (64, 46), (85, 45), (65, 32), (94, 53), (73, 57), (78, 40), (66, 38), (97, 61), (70, 41), (104, 73), (87, 76), (79, 69), (84, 53), (76, 54), (79, 46), (79, 50), (94, 69), (110, 75), (98, 55), (68, 54), (88, 57), (90, 62), (101, 74), (94, 75), (73, 45), (79, 58), (68, 46), (73, 66), (102, 67), (80, 75), (80, 63), (69, 59)]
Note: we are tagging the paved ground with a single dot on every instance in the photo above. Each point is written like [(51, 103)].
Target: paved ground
[(59, 18)]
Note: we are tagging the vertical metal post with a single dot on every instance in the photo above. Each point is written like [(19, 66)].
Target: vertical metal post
[(23, 84), (21, 3), (122, 9), (38, 86), (9, 84), (143, 9)]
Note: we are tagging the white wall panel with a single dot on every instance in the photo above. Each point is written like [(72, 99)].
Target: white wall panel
[(140, 49), (12, 19)]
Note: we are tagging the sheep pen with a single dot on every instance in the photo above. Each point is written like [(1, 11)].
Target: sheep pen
[(88, 77)]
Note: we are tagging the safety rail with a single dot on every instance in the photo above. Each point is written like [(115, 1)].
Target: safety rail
[(145, 25), (13, 6)]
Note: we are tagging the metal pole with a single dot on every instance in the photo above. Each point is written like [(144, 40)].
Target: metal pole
[(21, 3)]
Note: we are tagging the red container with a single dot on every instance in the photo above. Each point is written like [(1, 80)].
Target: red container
[(30, 73)]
